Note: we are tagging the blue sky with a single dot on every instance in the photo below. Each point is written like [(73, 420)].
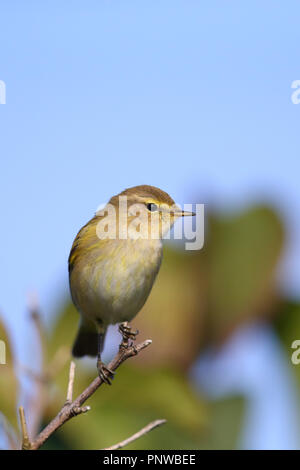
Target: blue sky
[(193, 97)]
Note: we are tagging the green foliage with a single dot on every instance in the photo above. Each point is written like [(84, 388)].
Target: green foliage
[(242, 255)]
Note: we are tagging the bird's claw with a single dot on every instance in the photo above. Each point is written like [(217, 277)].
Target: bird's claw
[(127, 334), (104, 372)]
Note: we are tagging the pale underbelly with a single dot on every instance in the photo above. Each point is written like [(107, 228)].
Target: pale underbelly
[(115, 289)]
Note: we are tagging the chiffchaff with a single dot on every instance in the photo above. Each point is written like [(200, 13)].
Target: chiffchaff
[(113, 263)]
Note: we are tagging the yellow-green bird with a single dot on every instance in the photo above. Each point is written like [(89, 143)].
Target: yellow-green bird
[(113, 263)]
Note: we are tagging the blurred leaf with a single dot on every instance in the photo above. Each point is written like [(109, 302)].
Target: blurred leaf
[(60, 342), (242, 255), (173, 315), (64, 330)]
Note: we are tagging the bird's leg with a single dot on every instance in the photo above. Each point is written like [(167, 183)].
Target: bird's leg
[(127, 334), (104, 372)]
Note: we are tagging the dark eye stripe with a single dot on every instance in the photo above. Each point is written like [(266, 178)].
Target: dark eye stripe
[(152, 207)]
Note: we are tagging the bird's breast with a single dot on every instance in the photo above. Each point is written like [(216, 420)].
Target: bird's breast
[(117, 278)]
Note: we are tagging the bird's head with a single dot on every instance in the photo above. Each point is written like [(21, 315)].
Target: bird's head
[(150, 211)]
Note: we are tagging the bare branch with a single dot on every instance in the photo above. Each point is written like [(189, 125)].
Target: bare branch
[(137, 435), (75, 408), (26, 444), (71, 383)]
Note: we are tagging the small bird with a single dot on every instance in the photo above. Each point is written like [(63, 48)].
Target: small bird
[(113, 264)]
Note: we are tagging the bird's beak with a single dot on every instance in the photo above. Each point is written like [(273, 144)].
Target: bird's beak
[(177, 211), (180, 213), (186, 213)]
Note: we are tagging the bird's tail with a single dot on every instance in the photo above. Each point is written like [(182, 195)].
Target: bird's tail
[(86, 342)]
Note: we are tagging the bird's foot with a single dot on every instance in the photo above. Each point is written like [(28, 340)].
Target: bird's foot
[(104, 372), (127, 334)]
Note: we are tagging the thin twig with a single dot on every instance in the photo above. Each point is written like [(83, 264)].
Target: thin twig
[(69, 411), (71, 383), (26, 444), (137, 435)]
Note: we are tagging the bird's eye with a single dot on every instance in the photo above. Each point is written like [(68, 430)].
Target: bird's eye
[(152, 207)]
